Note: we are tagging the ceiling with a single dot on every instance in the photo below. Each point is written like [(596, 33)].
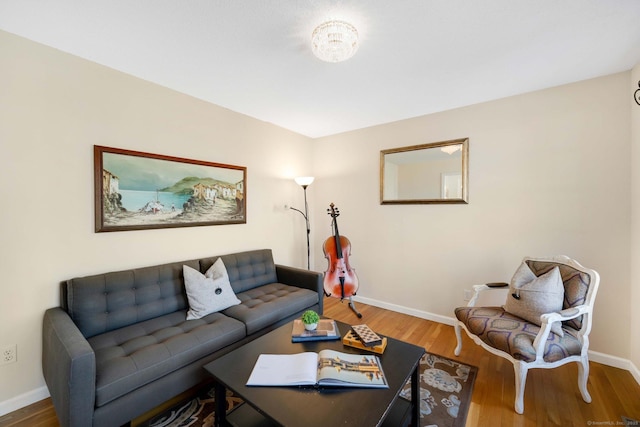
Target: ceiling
[(416, 57)]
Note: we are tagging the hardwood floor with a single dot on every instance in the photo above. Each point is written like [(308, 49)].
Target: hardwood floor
[(39, 414), (551, 397)]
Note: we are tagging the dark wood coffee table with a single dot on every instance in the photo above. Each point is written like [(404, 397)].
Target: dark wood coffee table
[(294, 406)]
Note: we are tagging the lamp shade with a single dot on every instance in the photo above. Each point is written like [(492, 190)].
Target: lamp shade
[(304, 181)]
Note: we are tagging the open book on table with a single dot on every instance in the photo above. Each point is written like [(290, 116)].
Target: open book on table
[(325, 368)]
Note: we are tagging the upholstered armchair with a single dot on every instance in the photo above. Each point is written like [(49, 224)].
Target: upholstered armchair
[(542, 340)]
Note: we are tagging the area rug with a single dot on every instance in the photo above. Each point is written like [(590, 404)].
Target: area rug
[(445, 391), (445, 395)]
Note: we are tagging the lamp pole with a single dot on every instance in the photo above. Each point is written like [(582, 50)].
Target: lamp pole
[(304, 182)]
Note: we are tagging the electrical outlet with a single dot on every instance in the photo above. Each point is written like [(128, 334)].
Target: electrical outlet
[(8, 354), (467, 294)]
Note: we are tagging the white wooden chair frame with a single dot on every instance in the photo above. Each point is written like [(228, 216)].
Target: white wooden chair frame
[(521, 367)]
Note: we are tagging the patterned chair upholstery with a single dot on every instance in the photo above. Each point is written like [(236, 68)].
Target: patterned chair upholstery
[(527, 345)]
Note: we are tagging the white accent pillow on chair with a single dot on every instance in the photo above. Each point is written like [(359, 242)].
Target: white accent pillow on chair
[(530, 296)]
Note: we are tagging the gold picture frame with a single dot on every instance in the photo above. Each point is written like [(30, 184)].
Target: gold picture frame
[(428, 173)]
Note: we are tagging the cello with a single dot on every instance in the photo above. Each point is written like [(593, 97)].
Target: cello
[(340, 280)]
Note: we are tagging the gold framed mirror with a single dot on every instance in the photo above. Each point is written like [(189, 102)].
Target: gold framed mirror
[(428, 173)]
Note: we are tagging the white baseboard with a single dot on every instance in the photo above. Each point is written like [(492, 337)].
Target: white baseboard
[(635, 372), (605, 359), (404, 310), (23, 400), (609, 360)]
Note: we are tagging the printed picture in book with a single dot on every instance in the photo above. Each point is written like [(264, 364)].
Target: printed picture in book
[(355, 369)]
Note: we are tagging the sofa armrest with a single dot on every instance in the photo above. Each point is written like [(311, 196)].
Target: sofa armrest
[(301, 278), (69, 368)]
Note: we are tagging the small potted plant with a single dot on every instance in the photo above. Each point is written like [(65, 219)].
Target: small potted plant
[(310, 320)]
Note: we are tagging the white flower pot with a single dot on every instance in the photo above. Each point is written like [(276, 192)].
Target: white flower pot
[(311, 326)]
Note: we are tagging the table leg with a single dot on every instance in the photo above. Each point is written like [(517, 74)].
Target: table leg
[(221, 405), (415, 397)]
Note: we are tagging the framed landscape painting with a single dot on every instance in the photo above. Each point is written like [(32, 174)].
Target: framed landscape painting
[(137, 191)]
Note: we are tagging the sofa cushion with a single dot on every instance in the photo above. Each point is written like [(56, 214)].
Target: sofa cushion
[(136, 355), (246, 270), (266, 305), (106, 302), (208, 293)]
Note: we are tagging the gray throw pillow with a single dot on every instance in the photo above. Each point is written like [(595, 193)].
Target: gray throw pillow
[(210, 292), (530, 296)]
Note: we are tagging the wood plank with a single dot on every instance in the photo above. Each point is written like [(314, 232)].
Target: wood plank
[(39, 414)]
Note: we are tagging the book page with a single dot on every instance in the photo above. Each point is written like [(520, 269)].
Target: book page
[(355, 370), (284, 369)]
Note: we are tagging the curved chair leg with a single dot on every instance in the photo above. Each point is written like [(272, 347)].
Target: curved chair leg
[(520, 370), (457, 328), (583, 376)]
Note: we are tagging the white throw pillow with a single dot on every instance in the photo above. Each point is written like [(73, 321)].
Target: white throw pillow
[(217, 270), (210, 292), (530, 296)]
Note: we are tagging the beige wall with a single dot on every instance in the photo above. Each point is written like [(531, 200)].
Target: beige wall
[(53, 108), (635, 230), (549, 174)]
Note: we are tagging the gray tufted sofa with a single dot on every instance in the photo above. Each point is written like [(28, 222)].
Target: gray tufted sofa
[(120, 345)]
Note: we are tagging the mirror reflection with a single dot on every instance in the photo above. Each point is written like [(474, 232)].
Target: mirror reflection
[(427, 173)]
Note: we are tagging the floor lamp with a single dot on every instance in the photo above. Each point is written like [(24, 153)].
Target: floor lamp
[(304, 182)]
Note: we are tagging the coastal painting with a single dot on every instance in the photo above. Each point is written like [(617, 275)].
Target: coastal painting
[(136, 191)]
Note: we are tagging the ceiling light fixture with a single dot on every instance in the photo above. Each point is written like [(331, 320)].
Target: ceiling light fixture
[(334, 41)]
